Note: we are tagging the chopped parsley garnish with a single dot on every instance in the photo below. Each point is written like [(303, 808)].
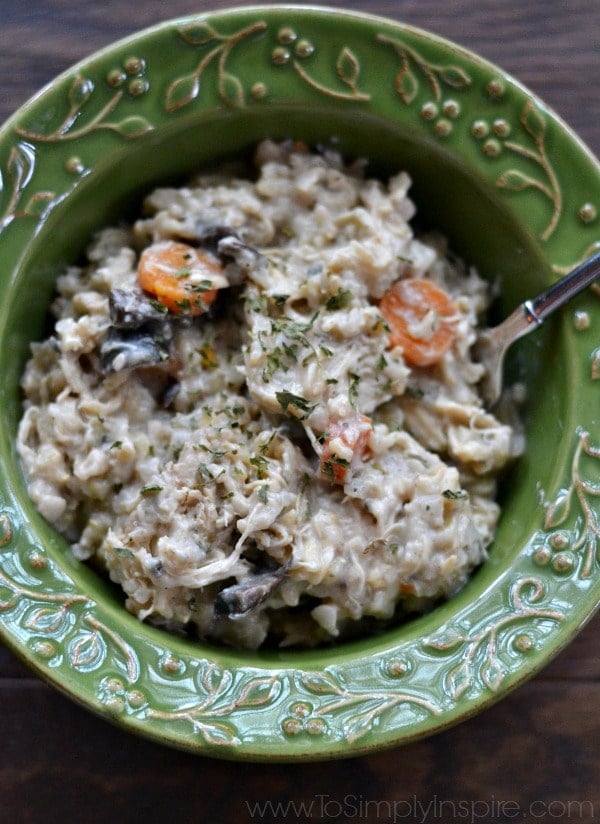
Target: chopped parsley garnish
[(259, 304), (339, 300), (264, 448), (159, 307), (329, 465), (288, 400), (202, 286), (149, 491), (292, 329), (380, 325), (415, 392), (263, 493), (353, 387), (290, 350), (381, 363), (262, 465), (205, 472), (452, 494), (275, 362)]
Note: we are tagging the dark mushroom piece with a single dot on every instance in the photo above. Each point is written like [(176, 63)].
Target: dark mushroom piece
[(130, 348), (208, 234), (132, 309), (239, 599), (140, 334), (246, 258)]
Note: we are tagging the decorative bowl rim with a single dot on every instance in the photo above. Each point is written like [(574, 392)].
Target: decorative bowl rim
[(443, 667)]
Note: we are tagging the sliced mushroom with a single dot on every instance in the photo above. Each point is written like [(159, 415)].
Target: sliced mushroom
[(241, 598), (131, 309), (208, 235), (245, 258), (129, 348)]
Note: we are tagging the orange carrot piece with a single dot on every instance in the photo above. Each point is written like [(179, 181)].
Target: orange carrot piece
[(179, 276), (354, 434), (421, 317)]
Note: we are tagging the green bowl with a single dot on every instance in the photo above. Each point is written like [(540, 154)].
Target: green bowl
[(517, 194)]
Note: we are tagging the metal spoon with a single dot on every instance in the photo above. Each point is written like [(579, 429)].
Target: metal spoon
[(492, 344)]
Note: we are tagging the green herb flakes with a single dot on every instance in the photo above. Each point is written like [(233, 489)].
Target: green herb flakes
[(454, 495), (339, 300), (149, 491), (262, 465), (290, 402), (159, 307)]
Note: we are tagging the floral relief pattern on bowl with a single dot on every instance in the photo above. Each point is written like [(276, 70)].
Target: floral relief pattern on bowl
[(153, 107)]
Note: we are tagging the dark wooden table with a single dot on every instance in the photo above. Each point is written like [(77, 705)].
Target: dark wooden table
[(535, 755)]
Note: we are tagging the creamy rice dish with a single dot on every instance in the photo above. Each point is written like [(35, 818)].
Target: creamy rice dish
[(258, 409)]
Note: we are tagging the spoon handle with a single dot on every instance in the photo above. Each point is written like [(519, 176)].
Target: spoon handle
[(564, 289)]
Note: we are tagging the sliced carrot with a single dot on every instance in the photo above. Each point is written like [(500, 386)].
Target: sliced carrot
[(421, 317), (179, 276), (354, 436)]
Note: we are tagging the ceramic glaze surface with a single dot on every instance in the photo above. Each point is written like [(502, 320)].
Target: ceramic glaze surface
[(489, 156)]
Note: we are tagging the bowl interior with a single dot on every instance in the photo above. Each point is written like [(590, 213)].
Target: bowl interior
[(450, 197)]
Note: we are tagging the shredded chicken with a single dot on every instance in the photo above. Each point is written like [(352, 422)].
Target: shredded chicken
[(272, 469)]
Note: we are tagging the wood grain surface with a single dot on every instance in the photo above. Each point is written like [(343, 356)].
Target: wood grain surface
[(535, 756)]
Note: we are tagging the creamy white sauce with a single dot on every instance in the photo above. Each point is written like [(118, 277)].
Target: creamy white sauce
[(197, 472)]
